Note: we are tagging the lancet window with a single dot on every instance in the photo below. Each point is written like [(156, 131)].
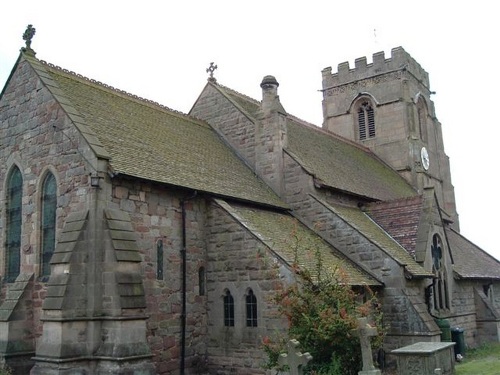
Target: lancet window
[(48, 222), (228, 309), (14, 225), (440, 286), (251, 308)]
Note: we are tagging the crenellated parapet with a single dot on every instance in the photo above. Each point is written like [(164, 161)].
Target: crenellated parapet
[(400, 61)]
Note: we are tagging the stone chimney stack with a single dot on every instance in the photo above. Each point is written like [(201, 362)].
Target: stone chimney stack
[(270, 136), (270, 98)]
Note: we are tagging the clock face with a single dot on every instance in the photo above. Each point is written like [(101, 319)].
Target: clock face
[(424, 155)]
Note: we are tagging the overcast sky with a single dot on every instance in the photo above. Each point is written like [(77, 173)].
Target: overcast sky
[(160, 50)]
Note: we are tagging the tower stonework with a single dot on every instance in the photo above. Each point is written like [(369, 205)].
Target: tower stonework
[(386, 106)]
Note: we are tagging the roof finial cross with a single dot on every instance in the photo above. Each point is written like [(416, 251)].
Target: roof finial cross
[(211, 70), (28, 36)]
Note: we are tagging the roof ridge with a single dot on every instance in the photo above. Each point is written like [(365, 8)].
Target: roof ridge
[(91, 81), (300, 121), (237, 93)]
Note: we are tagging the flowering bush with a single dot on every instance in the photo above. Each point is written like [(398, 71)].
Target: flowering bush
[(322, 311)]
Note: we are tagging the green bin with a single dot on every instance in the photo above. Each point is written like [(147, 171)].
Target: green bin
[(444, 325), (457, 335)]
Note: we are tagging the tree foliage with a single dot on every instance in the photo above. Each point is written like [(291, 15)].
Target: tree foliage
[(322, 311)]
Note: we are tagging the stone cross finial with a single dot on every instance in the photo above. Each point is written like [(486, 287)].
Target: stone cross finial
[(211, 70), (294, 359), (364, 332), (28, 36)]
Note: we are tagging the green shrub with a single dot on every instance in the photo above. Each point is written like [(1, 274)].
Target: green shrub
[(322, 310)]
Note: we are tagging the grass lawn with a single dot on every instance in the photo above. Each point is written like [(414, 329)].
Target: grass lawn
[(482, 361)]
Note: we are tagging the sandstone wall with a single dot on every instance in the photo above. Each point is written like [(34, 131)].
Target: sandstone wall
[(36, 137), (238, 261)]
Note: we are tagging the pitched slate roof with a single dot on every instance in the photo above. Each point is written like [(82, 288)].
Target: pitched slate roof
[(334, 161), (400, 218), (146, 140), (294, 243), (377, 235), (470, 261), (345, 166)]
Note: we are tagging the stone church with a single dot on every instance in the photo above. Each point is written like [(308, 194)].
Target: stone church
[(136, 239)]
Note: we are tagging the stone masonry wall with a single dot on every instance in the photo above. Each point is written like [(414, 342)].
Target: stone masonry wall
[(403, 306), (238, 261), (156, 216), (36, 137), (464, 311), (238, 130)]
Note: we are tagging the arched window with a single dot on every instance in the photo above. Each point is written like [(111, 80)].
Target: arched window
[(228, 309), (422, 118), (440, 288), (159, 260), (201, 281), (48, 222), (366, 120), (251, 307), (14, 225)]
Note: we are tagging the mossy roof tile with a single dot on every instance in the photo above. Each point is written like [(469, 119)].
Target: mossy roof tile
[(340, 164), (334, 161), (297, 244), (152, 142), (470, 261)]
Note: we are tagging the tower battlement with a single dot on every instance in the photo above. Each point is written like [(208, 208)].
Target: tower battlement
[(400, 60)]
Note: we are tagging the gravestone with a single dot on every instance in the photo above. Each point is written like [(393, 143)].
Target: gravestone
[(426, 358), (365, 331), (294, 359)]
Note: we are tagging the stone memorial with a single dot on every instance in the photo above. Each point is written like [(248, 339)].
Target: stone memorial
[(426, 358), (365, 331), (294, 359)]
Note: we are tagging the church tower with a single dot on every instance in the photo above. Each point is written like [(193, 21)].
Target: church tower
[(386, 106)]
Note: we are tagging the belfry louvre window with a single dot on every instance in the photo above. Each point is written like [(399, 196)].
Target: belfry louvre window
[(228, 309), (251, 305), (14, 225), (366, 121), (48, 230)]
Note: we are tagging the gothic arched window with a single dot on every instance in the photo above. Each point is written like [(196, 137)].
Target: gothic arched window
[(440, 288), (228, 309), (251, 307), (366, 120), (48, 222), (14, 225)]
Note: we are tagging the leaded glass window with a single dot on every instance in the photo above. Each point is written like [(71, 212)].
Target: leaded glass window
[(251, 307), (440, 290), (48, 230), (228, 309), (14, 225)]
